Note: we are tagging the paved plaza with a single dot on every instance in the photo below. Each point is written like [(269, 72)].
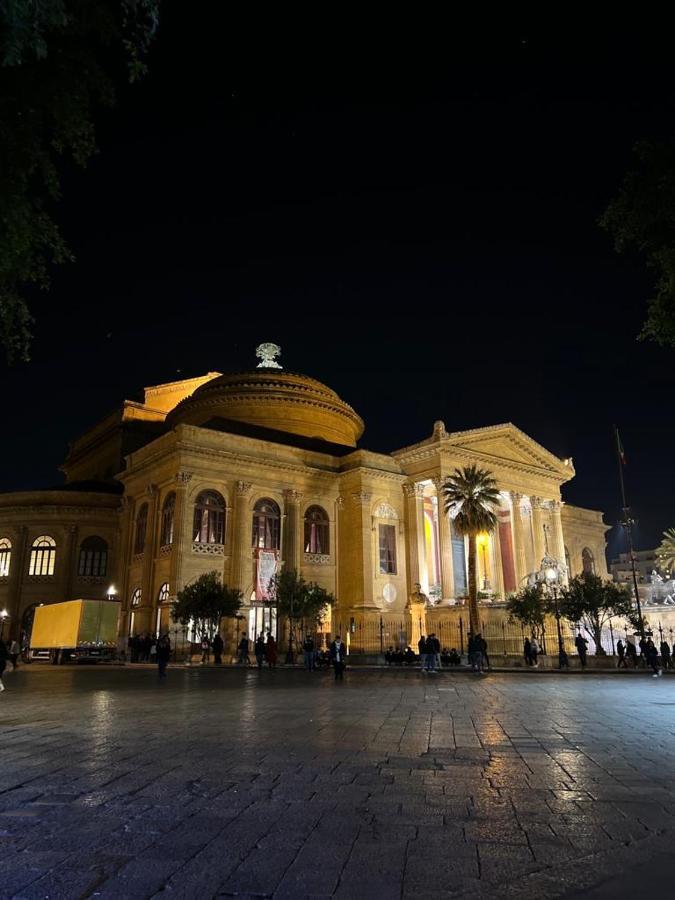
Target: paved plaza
[(239, 783)]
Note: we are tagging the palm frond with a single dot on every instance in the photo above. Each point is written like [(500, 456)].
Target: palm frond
[(666, 550), (471, 498)]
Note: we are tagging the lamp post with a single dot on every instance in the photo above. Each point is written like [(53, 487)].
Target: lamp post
[(551, 574), (112, 593), (3, 615)]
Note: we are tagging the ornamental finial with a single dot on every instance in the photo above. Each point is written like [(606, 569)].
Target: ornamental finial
[(267, 354)]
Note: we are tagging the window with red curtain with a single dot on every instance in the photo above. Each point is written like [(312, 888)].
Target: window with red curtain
[(266, 525), (317, 534), (209, 519)]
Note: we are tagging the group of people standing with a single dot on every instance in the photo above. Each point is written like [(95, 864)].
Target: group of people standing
[(649, 655), (265, 650)]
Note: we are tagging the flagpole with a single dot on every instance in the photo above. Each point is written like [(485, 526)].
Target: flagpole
[(628, 525)]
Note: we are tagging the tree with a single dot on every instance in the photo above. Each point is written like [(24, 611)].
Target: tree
[(60, 61), (297, 599), (642, 217), (206, 602), (592, 602), (529, 607), (471, 497), (666, 551)]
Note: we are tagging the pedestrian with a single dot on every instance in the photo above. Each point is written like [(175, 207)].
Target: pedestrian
[(631, 652), (475, 655), (621, 651), (260, 649), (421, 649), (652, 657), (534, 652), (337, 655), (308, 650), (205, 649), (563, 661), (665, 655), (14, 651), (429, 655), (527, 651), (642, 644), (3, 662), (244, 659), (484, 652), (582, 648), (437, 651), (271, 651), (163, 654), (218, 649)]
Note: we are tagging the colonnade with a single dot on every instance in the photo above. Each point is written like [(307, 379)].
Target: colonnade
[(528, 528)]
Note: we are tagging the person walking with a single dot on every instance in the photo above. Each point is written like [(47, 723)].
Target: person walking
[(621, 652), (437, 651), (475, 655), (631, 652), (665, 655), (244, 659), (163, 654), (218, 646), (3, 662), (527, 651), (308, 650), (205, 649), (14, 651), (652, 657), (260, 650), (271, 651), (484, 652), (421, 649), (582, 648), (534, 652), (337, 655), (429, 655)]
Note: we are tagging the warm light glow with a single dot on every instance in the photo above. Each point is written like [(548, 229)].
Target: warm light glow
[(551, 574), (4, 614), (112, 591), (482, 539)]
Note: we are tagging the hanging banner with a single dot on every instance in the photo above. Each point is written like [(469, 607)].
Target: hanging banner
[(267, 569)]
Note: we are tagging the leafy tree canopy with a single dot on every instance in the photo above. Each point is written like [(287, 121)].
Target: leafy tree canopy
[(666, 551), (593, 602), (60, 60), (642, 217), (529, 608), (296, 598), (206, 602)]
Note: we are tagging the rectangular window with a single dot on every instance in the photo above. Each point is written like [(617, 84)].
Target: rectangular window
[(387, 550)]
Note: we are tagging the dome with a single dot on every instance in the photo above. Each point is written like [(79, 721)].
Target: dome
[(276, 399)]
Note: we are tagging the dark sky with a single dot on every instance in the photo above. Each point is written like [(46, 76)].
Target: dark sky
[(414, 221)]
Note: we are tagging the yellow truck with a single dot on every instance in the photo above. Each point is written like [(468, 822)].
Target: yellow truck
[(76, 630)]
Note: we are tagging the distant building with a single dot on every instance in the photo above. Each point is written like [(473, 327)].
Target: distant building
[(645, 563)]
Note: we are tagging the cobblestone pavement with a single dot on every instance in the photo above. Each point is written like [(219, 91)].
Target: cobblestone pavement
[(284, 784)]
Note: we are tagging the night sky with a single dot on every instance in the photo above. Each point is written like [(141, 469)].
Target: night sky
[(415, 225)]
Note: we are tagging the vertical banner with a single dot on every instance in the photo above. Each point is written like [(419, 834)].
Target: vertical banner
[(266, 570)]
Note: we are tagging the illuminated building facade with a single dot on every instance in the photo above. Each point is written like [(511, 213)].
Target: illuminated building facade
[(244, 472)]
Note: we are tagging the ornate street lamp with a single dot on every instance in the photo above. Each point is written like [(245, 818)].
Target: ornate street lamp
[(552, 576)]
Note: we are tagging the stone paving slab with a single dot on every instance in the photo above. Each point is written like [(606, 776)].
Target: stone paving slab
[(236, 783)]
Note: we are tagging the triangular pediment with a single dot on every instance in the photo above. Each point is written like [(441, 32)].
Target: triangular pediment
[(510, 446)]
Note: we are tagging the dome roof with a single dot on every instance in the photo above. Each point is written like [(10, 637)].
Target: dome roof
[(276, 399)]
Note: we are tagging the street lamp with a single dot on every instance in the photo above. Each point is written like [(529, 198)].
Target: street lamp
[(552, 576), (482, 541), (3, 615), (112, 592)]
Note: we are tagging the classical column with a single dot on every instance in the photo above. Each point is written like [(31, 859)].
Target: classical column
[(558, 539), (292, 538), (148, 600), (69, 557), (182, 532), (517, 531), (537, 530), (497, 569), (241, 547), (445, 542), (414, 533)]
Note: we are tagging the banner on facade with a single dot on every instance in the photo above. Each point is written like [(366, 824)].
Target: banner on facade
[(267, 569)]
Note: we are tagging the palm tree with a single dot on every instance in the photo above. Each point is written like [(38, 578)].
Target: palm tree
[(471, 497), (666, 551)]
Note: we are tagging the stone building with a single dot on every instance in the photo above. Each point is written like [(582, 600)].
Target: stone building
[(247, 471)]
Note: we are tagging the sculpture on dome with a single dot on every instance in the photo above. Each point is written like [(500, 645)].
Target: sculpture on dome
[(267, 354)]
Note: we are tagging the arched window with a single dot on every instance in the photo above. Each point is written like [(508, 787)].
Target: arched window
[(136, 597), (317, 534), (42, 556), (93, 557), (587, 562), (5, 556), (209, 520), (141, 528), (266, 525), (163, 595), (568, 564), (168, 510)]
